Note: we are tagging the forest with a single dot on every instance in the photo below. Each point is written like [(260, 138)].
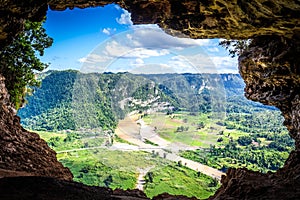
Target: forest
[(78, 114), (73, 100)]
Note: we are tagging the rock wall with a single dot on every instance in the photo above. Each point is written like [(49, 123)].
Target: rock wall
[(237, 19), (270, 69), (22, 151)]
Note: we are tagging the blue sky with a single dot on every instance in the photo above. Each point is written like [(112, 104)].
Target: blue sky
[(104, 39)]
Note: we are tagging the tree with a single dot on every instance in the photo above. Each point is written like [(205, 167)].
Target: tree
[(108, 181), (235, 47), (179, 163), (214, 183), (200, 125), (150, 177), (19, 61), (244, 140), (180, 129)]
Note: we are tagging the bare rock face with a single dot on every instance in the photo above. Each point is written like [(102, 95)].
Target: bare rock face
[(45, 188), (217, 18), (270, 68), (196, 19), (23, 151)]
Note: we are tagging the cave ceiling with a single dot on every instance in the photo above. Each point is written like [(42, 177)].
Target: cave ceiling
[(270, 67)]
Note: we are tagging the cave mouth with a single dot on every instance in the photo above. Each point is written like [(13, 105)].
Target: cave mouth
[(229, 123), (269, 69)]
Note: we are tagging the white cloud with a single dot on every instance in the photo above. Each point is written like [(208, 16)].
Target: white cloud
[(93, 59), (203, 42), (109, 31), (106, 31), (151, 36), (146, 41), (82, 60), (213, 49), (181, 64), (133, 49), (146, 53), (225, 64), (114, 49), (125, 18), (201, 63), (152, 69), (139, 61), (117, 7)]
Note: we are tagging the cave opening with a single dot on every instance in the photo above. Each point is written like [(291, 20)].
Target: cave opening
[(250, 75), (211, 123)]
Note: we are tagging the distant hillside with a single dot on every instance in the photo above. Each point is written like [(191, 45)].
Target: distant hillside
[(72, 100)]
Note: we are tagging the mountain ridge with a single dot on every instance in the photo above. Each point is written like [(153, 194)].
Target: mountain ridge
[(72, 100)]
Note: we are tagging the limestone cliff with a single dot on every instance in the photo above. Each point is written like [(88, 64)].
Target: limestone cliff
[(270, 69), (237, 19)]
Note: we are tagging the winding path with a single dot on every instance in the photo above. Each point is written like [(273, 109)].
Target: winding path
[(141, 178), (135, 130)]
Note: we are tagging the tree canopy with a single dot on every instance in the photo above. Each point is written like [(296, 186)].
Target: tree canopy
[(20, 60)]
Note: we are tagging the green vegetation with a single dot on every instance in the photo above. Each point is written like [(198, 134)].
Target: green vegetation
[(74, 139), (72, 106), (149, 142), (188, 128), (75, 101), (120, 169), (187, 109), (235, 47), (257, 141), (101, 167), (19, 61), (179, 180)]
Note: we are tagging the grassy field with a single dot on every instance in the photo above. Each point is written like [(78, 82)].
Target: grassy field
[(120, 169), (72, 140), (94, 167), (47, 135), (198, 130), (179, 181)]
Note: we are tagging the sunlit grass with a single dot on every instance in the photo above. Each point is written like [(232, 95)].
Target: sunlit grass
[(46, 135), (179, 181)]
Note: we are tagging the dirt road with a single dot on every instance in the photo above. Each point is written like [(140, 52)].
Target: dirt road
[(141, 178), (135, 131)]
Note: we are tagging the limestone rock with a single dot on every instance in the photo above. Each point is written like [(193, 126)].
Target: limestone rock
[(270, 69), (23, 151)]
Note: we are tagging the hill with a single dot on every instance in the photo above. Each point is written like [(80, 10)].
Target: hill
[(73, 100)]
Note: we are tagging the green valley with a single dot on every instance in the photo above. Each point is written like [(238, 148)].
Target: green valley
[(175, 133)]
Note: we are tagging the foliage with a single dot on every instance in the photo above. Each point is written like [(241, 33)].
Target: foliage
[(179, 180), (149, 142), (77, 103), (19, 60), (235, 47), (259, 150), (244, 140), (93, 100)]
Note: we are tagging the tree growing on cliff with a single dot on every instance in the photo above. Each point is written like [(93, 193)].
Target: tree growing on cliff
[(235, 47), (19, 61)]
